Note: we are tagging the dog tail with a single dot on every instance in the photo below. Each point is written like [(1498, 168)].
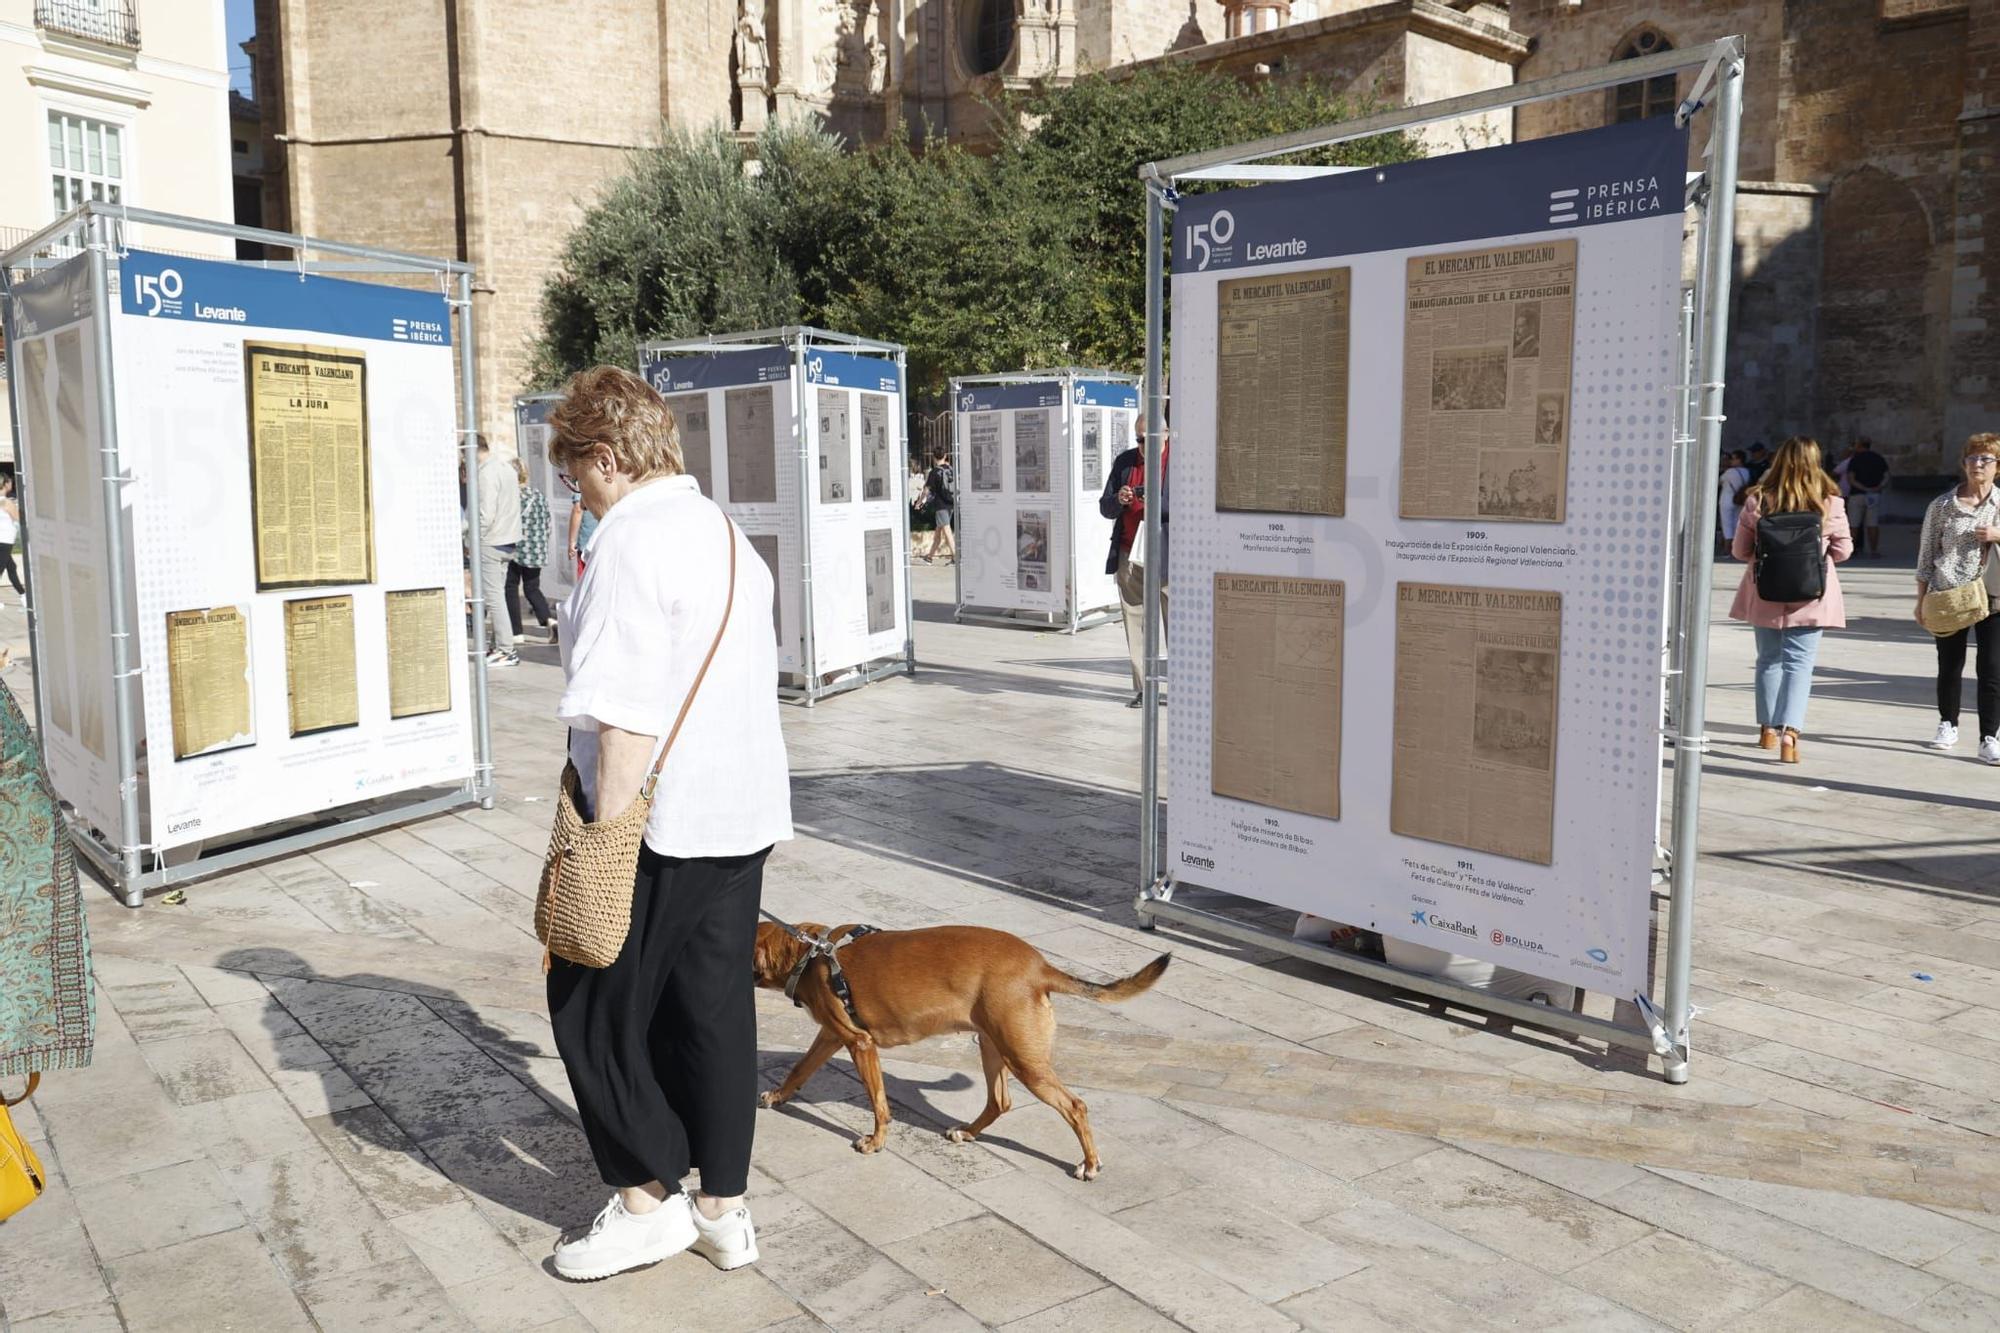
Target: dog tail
[(1112, 991)]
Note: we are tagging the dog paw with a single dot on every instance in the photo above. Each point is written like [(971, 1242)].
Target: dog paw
[(960, 1135), (1087, 1170), (769, 1100), (868, 1143)]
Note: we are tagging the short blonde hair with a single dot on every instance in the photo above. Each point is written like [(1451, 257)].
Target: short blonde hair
[(1986, 442), (614, 408)]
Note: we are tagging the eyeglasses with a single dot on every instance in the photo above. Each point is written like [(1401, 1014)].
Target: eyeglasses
[(1981, 460), (569, 481)]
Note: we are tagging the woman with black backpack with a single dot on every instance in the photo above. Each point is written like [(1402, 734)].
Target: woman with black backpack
[(1791, 533)]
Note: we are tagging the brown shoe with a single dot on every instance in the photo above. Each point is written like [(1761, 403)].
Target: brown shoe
[(1767, 738), (1788, 747)]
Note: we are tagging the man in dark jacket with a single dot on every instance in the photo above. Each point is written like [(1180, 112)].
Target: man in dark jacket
[(1124, 503)]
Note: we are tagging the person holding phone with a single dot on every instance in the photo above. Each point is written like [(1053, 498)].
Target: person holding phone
[(1124, 503)]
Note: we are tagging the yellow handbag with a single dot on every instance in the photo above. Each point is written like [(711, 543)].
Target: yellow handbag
[(21, 1176)]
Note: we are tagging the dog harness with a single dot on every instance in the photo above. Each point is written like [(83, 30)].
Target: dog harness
[(827, 947)]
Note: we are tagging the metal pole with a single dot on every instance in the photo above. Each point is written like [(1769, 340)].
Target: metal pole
[(124, 660), (22, 480), (483, 783), (909, 542), (1149, 708), (808, 497), (1072, 422), (959, 526), (1720, 260)]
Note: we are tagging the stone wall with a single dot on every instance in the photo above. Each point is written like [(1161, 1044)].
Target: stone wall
[(1771, 370)]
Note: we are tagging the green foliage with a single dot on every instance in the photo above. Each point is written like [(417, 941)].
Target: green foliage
[(1031, 256)]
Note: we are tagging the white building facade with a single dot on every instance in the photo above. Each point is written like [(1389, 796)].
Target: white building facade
[(123, 101)]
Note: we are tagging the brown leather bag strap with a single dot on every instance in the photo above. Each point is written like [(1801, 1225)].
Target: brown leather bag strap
[(34, 1081), (653, 777)]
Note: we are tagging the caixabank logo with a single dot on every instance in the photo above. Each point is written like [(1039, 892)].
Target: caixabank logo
[(1450, 925)]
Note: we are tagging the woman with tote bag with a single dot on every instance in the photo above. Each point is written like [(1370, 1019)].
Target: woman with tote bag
[(1958, 589)]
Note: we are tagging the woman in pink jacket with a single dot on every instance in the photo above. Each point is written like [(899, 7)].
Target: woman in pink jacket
[(1788, 632)]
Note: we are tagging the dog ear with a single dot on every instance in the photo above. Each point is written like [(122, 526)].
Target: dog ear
[(760, 956)]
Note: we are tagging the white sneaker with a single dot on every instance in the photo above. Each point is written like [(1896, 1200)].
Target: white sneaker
[(618, 1240), (499, 660), (730, 1241), (1947, 736), (1989, 749)]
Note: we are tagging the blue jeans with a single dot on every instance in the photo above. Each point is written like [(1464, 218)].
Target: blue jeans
[(1784, 675)]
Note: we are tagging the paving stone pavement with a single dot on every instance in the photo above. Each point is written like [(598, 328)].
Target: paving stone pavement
[(325, 1093)]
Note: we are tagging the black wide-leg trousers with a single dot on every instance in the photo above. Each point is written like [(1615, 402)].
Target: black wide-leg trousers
[(661, 1046)]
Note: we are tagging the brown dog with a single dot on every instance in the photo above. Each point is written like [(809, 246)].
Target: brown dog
[(912, 984)]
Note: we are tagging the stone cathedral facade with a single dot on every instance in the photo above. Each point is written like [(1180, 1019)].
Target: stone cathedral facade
[(1867, 301)]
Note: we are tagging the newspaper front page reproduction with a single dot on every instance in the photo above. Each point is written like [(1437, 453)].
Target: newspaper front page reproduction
[(208, 680), (52, 613), (1276, 728), (766, 545), (1093, 449), (1031, 450), (419, 652), (1486, 374), (876, 465), (1475, 718), (1031, 550), (878, 549), (76, 451), (836, 448), (319, 664), (697, 457), (982, 431), (90, 621), (36, 424), (312, 514), (1281, 393), (752, 440)]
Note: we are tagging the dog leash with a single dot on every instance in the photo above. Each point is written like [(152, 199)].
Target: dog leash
[(821, 946)]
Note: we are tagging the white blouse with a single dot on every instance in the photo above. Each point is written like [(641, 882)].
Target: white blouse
[(633, 634)]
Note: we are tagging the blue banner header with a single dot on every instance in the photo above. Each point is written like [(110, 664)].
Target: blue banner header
[(845, 370), (714, 370), (1098, 393), (1009, 397), (1614, 174), (155, 286)]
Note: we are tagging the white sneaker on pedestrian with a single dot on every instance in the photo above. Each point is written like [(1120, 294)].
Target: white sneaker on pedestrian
[(1947, 736), (1989, 749), (619, 1240), (499, 660), (730, 1241)]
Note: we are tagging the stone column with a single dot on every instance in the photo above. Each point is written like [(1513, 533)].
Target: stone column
[(1973, 402)]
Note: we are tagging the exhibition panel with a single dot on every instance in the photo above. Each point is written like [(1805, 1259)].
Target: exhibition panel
[(797, 434), (1032, 451), (270, 628), (1420, 579), (531, 443)]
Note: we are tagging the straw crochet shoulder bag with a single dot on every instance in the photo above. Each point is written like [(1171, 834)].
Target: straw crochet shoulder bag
[(583, 909)]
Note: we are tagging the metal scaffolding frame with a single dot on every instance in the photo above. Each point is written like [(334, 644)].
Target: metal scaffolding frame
[(800, 339), (1663, 1030), (97, 231), (1077, 617)]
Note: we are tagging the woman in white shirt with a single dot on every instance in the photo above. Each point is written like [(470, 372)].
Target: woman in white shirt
[(661, 1046), (10, 532), (1729, 495)]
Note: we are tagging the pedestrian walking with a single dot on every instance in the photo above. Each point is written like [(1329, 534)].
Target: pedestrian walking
[(1124, 503), (943, 490), (499, 534), (10, 532), (1729, 495), (661, 1046), (1954, 553), (919, 491), (1791, 534), (524, 571), (1867, 479)]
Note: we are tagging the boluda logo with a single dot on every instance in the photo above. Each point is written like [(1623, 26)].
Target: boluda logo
[(1435, 922), (1502, 938)]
